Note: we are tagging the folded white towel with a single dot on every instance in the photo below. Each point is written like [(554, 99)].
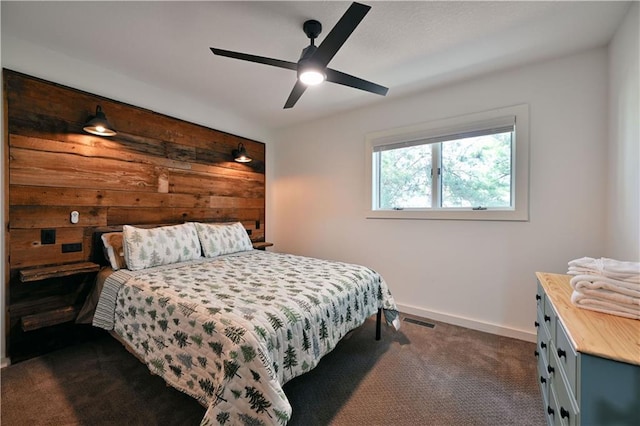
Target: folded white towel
[(616, 269), (612, 296), (608, 307), (606, 264), (599, 282), (622, 277)]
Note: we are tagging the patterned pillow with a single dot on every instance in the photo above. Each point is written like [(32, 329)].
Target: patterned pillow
[(113, 251), (218, 238), (144, 248)]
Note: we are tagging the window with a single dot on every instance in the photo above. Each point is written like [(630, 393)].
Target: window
[(472, 167)]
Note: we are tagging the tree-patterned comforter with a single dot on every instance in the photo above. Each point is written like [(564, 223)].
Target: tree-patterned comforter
[(231, 331)]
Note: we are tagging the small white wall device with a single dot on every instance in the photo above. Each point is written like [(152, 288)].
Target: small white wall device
[(75, 217)]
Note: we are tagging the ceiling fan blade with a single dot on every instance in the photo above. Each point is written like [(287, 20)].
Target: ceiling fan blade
[(253, 58), (340, 33), (297, 91), (355, 82)]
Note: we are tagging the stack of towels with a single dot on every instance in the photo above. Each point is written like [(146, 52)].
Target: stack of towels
[(606, 285)]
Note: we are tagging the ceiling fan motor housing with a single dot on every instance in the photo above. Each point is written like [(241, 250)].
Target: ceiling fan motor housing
[(306, 62), (312, 29), (307, 52)]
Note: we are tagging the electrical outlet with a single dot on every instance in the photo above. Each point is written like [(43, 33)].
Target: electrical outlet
[(47, 236), (71, 247)]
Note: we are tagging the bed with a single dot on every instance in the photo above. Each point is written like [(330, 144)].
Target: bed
[(226, 324)]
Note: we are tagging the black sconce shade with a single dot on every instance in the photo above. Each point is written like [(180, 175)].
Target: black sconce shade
[(99, 125), (240, 155)]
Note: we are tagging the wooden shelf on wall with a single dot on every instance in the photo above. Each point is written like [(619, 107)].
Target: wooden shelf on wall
[(43, 273)]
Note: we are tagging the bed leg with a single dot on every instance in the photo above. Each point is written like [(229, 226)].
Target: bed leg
[(378, 323)]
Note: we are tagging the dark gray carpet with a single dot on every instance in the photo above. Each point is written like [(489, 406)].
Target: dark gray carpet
[(445, 375)]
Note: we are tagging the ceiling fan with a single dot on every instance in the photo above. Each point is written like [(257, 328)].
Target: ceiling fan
[(312, 65)]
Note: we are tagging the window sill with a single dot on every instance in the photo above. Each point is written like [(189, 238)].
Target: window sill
[(496, 215)]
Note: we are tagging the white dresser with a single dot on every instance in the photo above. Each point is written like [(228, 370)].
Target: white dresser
[(588, 362)]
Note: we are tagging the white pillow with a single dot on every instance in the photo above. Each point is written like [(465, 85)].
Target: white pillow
[(113, 250), (144, 248), (223, 238)]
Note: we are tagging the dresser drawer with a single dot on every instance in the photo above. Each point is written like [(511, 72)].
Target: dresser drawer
[(551, 410), (540, 297), (543, 375), (567, 357), (566, 413), (549, 317), (544, 337)]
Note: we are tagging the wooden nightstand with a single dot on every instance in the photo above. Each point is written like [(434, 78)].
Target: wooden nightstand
[(36, 313), (261, 245)]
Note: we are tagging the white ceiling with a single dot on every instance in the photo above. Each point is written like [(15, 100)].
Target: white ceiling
[(406, 46)]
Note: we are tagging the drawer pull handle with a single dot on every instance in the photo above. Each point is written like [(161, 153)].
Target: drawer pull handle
[(562, 353), (547, 318), (543, 345), (543, 380), (536, 353), (538, 297), (550, 369), (564, 413), (550, 410), (536, 323)]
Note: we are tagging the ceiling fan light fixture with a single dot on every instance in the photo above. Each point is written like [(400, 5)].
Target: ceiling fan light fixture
[(309, 72), (312, 77), (98, 125)]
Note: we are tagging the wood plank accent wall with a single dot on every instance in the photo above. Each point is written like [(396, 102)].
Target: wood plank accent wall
[(157, 169)]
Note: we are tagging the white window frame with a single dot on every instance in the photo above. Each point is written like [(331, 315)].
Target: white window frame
[(519, 210)]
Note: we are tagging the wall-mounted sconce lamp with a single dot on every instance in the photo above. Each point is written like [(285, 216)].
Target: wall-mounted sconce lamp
[(98, 125), (240, 155)]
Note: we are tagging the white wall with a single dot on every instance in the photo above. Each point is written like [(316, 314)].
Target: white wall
[(623, 212), (478, 274)]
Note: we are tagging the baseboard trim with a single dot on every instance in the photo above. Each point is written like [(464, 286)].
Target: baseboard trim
[(5, 362), (469, 323)]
